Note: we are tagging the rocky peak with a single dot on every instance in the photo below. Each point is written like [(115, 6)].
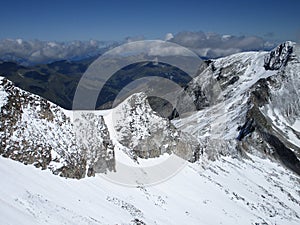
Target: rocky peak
[(279, 56), (148, 135)]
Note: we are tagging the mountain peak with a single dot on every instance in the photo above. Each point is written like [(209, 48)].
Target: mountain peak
[(141, 129), (279, 56)]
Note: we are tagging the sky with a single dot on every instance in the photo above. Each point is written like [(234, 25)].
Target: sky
[(115, 20)]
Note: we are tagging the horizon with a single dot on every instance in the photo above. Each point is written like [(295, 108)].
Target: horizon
[(211, 29)]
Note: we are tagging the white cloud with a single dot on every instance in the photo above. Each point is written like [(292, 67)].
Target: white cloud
[(36, 51), (134, 38), (169, 36), (210, 45), (213, 45), (150, 48)]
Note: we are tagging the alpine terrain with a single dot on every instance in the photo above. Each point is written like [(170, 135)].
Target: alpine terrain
[(238, 153)]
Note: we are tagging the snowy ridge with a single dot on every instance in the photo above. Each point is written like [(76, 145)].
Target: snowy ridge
[(279, 56), (283, 109), (225, 87), (36, 131), (238, 89)]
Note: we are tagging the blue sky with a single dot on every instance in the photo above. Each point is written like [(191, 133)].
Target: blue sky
[(115, 20)]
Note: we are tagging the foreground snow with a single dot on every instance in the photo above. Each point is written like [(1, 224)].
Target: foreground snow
[(229, 192)]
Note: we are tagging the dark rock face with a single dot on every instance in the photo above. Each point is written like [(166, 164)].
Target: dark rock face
[(246, 129), (278, 57), (280, 148), (201, 100), (282, 152), (164, 108), (233, 80)]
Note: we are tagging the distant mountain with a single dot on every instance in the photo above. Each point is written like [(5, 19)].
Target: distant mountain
[(58, 81), (206, 45), (33, 52), (55, 81)]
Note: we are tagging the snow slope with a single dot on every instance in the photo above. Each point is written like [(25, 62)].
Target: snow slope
[(232, 191), (229, 106)]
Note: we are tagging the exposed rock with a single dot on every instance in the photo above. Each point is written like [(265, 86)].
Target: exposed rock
[(92, 135), (277, 96), (35, 131), (279, 56), (148, 135), (164, 108)]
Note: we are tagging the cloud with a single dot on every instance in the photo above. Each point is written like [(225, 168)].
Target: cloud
[(209, 45), (32, 52), (213, 45), (150, 48), (134, 38), (169, 36)]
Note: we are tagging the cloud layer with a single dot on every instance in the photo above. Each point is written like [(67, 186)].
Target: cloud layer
[(33, 52), (212, 45), (209, 45)]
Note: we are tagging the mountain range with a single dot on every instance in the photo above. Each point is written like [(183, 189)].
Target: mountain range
[(235, 159)]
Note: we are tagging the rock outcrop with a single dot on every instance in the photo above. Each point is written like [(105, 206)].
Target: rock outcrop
[(148, 135), (35, 131), (279, 56)]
